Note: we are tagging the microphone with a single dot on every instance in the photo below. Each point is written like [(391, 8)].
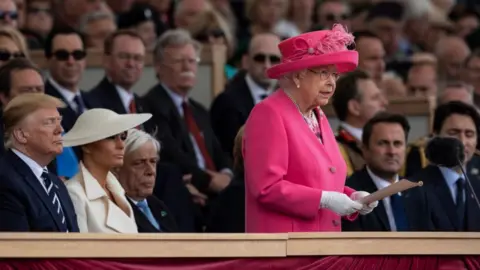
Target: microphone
[(445, 151), (448, 152)]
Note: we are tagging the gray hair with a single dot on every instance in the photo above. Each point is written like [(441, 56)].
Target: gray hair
[(91, 17), (174, 38), (455, 86), (137, 138)]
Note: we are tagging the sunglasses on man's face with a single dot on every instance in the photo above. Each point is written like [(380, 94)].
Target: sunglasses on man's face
[(6, 55), (122, 136), (64, 55), (11, 14), (215, 33), (261, 58), (336, 17)]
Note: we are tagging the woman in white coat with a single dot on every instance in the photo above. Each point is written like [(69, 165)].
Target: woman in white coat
[(98, 197)]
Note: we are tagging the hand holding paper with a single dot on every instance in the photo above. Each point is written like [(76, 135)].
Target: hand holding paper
[(367, 208), (395, 188)]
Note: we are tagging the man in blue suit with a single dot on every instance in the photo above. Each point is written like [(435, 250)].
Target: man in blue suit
[(31, 198)]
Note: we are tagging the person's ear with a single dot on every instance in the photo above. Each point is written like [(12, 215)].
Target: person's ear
[(20, 135), (353, 107)]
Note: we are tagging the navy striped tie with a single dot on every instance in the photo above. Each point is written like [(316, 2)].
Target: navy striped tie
[(52, 195)]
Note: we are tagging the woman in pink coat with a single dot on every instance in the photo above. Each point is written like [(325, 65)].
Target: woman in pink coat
[(294, 172)]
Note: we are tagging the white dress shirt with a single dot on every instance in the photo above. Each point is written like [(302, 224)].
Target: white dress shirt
[(125, 96), (451, 178), (256, 90), (382, 183), (34, 166), (67, 94), (355, 132)]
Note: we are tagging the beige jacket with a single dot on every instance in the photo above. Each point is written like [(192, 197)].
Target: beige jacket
[(95, 212)]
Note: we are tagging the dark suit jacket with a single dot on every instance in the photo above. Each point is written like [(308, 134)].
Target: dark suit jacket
[(377, 220), (171, 190), (160, 212), (24, 204), (175, 137), (228, 209), (439, 202), (69, 115), (230, 111), (105, 94)]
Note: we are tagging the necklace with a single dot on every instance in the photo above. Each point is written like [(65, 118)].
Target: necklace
[(306, 118)]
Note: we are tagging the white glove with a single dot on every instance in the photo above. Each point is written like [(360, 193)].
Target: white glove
[(339, 203), (366, 209)]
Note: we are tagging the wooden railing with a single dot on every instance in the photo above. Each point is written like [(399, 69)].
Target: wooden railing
[(48, 245)]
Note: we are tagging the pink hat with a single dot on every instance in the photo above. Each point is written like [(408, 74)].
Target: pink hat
[(314, 49)]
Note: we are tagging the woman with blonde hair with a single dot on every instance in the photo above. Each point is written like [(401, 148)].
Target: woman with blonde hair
[(209, 27), (12, 44), (97, 196)]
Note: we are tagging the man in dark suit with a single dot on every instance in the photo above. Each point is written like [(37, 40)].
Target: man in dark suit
[(384, 143), (18, 76), (183, 124), (449, 199), (232, 107), (356, 100), (124, 54), (137, 177), (65, 52), (33, 200)]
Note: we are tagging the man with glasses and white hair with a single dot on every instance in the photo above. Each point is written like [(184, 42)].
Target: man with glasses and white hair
[(183, 124), (137, 177)]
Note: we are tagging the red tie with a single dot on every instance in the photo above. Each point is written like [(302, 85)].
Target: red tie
[(132, 108), (195, 131)]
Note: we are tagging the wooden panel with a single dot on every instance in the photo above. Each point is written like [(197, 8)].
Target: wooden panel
[(48, 245), (405, 106), (383, 243)]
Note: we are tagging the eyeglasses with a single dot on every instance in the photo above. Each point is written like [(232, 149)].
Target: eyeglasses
[(11, 14), (6, 55), (215, 33), (325, 74), (336, 17), (122, 136), (261, 58), (64, 55)]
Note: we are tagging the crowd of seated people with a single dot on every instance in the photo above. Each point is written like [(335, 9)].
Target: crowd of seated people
[(175, 165)]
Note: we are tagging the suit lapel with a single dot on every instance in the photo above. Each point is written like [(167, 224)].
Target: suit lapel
[(35, 184), (369, 186), (444, 196), (160, 214), (114, 100), (170, 110), (142, 221)]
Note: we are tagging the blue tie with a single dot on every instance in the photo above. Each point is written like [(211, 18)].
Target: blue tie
[(143, 205), (52, 195), (398, 210)]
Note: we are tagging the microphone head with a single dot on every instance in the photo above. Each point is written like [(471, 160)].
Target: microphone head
[(445, 151)]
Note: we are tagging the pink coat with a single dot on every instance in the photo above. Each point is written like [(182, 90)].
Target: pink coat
[(287, 168)]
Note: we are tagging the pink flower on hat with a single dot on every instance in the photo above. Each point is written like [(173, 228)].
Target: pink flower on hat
[(313, 49)]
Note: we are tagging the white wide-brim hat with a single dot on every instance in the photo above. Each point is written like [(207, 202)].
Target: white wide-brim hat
[(98, 124)]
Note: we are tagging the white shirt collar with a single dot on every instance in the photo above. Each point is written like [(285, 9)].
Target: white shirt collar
[(32, 164), (125, 96), (379, 182), (176, 98), (256, 90), (67, 94), (355, 132)]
